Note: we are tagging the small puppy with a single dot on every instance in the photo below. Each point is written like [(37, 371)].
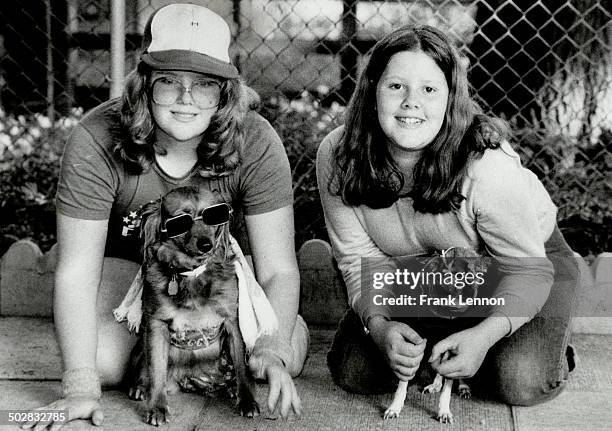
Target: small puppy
[(452, 260), (439, 384), (190, 338)]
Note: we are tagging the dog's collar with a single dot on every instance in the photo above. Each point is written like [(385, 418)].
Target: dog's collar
[(179, 273), (195, 339)]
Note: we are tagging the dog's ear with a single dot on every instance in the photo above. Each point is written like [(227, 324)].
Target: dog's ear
[(224, 245), (150, 223)]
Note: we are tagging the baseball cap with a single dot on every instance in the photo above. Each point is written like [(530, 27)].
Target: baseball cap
[(188, 37)]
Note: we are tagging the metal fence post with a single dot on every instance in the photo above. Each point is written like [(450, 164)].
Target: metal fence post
[(348, 53), (50, 71), (117, 47)]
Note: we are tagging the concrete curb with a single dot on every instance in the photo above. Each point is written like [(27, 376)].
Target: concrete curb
[(26, 286)]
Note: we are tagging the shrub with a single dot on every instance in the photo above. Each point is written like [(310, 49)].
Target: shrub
[(30, 150), (578, 176), (302, 124)]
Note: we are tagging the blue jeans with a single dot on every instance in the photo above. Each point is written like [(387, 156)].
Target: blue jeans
[(527, 368)]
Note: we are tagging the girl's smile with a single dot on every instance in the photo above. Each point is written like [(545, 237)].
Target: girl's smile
[(184, 117), (410, 121)]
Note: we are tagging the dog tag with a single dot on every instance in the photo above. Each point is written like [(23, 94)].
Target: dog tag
[(173, 286)]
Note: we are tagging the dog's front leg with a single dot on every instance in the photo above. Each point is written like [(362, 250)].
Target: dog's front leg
[(156, 352), (246, 384), (136, 377), (399, 398), (444, 414)]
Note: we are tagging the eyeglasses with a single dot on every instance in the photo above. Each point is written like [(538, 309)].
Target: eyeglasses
[(205, 93), (214, 215)]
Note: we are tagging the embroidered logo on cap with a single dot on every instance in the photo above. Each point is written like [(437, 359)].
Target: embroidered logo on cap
[(207, 33)]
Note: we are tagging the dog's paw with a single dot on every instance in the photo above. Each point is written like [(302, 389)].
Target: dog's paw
[(248, 407), (158, 416), (445, 417), (433, 388), (465, 392), (391, 413), (137, 393)]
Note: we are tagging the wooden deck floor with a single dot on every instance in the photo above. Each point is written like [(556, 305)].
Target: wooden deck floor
[(30, 367)]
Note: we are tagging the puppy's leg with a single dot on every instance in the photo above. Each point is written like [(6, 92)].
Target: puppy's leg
[(435, 386), (396, 406), (156, 353), (246, 384), (464, 389), (444, 414)]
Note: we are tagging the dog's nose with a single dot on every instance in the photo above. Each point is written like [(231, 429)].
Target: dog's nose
[(204, 245)]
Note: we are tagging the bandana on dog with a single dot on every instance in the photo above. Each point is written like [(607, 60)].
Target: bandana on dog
[(256, 316)]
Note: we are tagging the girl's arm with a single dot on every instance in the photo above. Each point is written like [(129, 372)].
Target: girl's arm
[(514, 216), (271, 237), (81, 254), (402, 346), (350, 240)]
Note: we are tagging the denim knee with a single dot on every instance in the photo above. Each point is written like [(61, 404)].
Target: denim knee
[(352, 373), (527, 382), (354, 361)]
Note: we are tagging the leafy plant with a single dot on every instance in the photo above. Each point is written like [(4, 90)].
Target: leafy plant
[(302, 124), (30, 150), (578, 176)]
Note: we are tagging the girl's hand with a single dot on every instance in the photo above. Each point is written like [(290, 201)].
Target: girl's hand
[(467, 350), (402, 346), (282, 393), (75, 407)]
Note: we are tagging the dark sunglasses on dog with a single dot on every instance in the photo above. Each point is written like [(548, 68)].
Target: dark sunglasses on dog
[(214, 215)]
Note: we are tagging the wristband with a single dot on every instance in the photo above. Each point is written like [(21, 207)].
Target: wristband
[(367, 321), (81, 382), (266, 347)]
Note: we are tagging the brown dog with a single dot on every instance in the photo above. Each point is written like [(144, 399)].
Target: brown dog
[(190, 338)]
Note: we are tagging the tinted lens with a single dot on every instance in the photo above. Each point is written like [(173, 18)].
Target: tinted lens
[(178, 225), (216, 214)]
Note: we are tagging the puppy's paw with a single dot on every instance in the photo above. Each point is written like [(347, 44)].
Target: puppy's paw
[(445, 417), (157, 416), (464, 392), (433, 388), (137, 393), (392, 413), (248, 407)]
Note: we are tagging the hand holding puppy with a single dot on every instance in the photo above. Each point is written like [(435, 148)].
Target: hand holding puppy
[(402, 346), (468, 348), (467, 351)]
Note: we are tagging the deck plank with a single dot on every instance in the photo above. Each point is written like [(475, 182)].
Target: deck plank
[(29, 358)]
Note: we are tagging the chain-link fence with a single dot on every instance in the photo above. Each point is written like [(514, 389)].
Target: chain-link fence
[(543, 65)]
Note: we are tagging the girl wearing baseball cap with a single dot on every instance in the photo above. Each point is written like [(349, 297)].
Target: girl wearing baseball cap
[(183, 120)]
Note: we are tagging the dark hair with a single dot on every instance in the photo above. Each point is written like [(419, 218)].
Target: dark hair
[(219, 151), (364, 171)]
